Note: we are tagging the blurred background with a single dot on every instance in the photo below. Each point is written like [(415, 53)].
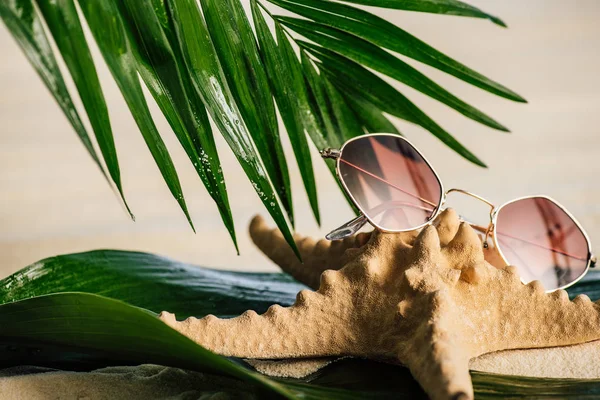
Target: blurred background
[(54, 200)]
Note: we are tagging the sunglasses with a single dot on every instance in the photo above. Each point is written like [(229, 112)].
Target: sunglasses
[(397, 190)]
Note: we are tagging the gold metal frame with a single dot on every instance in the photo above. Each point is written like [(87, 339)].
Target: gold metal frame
[(494, 211)]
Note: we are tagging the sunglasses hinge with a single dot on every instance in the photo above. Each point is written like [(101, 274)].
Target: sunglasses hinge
[(330, 153)]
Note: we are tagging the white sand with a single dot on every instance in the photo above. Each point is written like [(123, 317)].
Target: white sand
[(157, 382), (133, 383), (577, 362)]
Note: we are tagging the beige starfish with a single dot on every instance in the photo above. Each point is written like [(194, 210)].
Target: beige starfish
[(430, 302)]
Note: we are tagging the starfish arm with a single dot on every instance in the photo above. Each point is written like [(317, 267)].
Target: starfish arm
[(534, 319), (317, 256), (302, 330), (434, 348), (441, 367)]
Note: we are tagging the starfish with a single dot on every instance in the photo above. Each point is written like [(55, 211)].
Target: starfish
[(428, 300)]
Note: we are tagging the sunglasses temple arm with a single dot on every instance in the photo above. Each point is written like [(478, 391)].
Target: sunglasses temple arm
[(593, 261), (348, 229)]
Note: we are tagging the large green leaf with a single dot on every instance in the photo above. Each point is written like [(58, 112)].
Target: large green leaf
[(159, 283), (449, 7), (374, 57), (117, 331), (357, 81), (152, 282), (64, 25), (237, 49), (209, 81), (385, 34), (287, 84), (106, 26), (163, 69), (84, 331), (23, 22)]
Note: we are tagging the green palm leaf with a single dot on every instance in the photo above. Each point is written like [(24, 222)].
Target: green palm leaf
[(360, 82), (371, 117), (449, 7), (63, 22), (385, 34), (24, 23), (238, 54), (107, 28), (374, 57), (331, 131), (167, 78), (287, 84), (204, 61), (209, 81)]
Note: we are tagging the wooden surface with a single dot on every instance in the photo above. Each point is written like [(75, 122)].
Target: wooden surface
[(53, 200)]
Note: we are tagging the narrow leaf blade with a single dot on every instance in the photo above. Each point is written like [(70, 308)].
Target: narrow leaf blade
[(448, 7), (354, 79), (370, 116), (320, 104), (287, 85), (293, 90), (245, 73), (385, 34), (210, 83), (374, 57), (65, 27), (166, 77), (106, 26), (24, 23)]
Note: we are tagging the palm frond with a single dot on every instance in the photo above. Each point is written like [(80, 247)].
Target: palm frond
[(201, 59)]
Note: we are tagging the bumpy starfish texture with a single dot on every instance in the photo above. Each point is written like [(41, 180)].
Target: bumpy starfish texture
[(428, 301)]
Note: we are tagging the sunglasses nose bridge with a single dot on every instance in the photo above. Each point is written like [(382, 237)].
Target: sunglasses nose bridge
[(473, 195), (490, 227)]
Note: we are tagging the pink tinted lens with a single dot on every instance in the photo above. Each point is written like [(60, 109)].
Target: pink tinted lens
[(390, 181), (542, 241)]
